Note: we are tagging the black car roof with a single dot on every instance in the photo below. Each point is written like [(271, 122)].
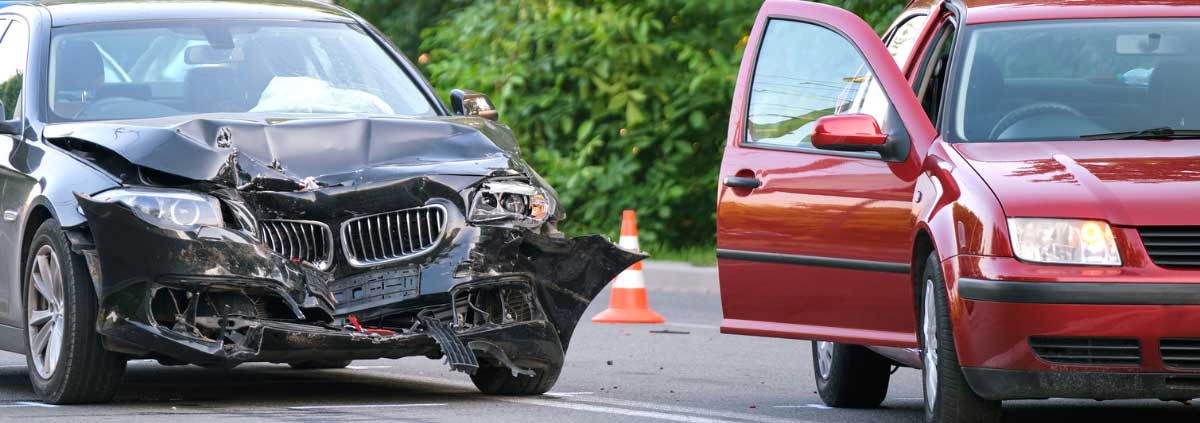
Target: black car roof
[(74, 12)]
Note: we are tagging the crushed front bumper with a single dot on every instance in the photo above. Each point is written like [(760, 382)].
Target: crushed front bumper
[(218, 297)]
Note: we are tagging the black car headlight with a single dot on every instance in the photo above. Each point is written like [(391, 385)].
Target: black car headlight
[(175, 209), (506, 201)]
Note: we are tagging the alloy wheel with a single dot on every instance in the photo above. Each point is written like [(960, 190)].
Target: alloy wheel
[(929, 353), (45, 311), (824, 358)]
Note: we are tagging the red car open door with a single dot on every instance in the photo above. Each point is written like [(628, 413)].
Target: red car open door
[(817, 244)]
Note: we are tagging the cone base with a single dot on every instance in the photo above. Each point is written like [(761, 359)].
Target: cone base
[(628, 305), (620, 315)]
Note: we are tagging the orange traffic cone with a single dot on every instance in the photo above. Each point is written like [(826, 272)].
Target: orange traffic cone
[(628, 302)]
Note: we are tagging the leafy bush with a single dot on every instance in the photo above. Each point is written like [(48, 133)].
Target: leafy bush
[(619, 104)]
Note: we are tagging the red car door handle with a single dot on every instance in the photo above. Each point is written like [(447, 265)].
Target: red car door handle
[(741, 182)]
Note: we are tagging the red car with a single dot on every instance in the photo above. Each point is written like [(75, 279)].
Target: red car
[(1000, 192)]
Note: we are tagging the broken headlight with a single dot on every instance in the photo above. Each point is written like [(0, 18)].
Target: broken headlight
[(507, 201), (173, 209)]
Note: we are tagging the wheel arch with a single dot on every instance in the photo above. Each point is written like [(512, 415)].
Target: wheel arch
[(38, 214), (923, 246)]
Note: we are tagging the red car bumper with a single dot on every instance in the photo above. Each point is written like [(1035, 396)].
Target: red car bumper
[(1098, 332)]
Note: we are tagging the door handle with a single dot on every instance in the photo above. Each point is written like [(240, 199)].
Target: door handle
[(741, 182)]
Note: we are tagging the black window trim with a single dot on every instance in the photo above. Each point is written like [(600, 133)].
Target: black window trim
[(9, 19), (919, 79), (901, 21), (743, 141)]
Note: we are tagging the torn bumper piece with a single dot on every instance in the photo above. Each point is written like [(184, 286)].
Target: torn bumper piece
[(218, 297)]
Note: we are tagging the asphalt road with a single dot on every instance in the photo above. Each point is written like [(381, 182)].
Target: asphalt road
[(614, 373)]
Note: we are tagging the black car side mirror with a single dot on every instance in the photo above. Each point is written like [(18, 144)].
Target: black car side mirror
[(471, 103), (8, 127)]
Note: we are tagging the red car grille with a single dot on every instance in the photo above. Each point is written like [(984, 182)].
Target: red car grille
[(1180, 353), (1107, 352), (1172, 246)]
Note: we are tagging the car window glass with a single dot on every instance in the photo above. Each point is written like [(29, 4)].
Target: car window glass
[(805, 72), (1060, 80), (933, 74), (904, 39), (14, 53), (135, 70)]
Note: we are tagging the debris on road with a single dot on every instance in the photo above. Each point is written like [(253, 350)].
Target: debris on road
[(670, 332)]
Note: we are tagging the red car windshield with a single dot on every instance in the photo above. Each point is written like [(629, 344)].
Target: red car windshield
[(1063, 80)]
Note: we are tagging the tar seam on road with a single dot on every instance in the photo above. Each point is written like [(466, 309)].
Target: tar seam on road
[(323, 407)]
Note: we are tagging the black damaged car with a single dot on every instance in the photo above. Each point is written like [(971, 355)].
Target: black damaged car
[(212, 183)]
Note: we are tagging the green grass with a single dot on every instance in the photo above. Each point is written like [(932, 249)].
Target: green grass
[(698, 256)]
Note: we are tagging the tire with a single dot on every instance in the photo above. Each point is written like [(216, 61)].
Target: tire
[(82, 371), (493, 380), (952, 400), (320, 364), (850, 376)]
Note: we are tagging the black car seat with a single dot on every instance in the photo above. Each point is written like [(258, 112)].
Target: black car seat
[(269, 57), (214, 89), (77, 78), (985, 98), (1172, 95)]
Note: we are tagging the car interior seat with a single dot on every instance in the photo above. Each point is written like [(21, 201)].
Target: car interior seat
[(1172, 95)]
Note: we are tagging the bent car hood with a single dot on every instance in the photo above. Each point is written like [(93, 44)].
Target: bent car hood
[(1127, 182), (235, 151)]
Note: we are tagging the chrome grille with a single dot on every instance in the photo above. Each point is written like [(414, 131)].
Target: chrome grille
[(388, 237), (299, 239), (1109, 352), (1172, 246)]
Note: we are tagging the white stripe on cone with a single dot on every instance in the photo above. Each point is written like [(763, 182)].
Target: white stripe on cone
[(630, 279), (629, 242)]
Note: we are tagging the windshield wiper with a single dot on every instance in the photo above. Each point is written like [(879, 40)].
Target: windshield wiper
[(1148, 134)]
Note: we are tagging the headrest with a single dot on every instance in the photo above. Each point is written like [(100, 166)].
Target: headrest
[(80, 68), (1174, 88)]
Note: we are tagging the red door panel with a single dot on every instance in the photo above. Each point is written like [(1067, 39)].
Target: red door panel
[(816, 244)]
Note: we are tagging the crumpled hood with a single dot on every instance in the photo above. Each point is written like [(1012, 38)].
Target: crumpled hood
[(1128, 183), (239, 152)]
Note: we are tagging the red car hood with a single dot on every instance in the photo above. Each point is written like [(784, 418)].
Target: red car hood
[(1129, 183)]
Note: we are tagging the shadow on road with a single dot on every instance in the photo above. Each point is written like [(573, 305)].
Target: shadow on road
[(279, 386)]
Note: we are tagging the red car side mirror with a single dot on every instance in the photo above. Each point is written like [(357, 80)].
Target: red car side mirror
[(856, 132)]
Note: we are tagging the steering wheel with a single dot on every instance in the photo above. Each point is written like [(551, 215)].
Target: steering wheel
[(1028, 110)]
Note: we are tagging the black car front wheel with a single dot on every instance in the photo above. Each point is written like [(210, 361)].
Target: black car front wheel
[(850, 376), (499, 380), (67, 361), (948, 397)]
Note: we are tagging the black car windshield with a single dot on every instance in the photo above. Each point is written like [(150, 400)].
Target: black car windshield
[(155, 69), (1078, 79)]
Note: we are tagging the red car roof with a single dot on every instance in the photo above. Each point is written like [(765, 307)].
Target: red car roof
[(988, 11)]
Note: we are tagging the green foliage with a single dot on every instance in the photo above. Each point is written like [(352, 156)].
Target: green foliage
[(403, 20), (879, 13), (10, 92), (619, 104)]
